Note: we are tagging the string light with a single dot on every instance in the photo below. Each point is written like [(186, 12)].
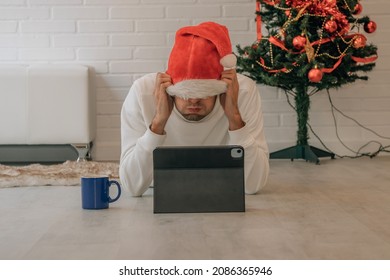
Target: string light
[(349, 8)]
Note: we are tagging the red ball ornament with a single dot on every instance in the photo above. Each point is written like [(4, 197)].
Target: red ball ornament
[(370, 27), (358, 9), (315, 75), (359, 42), (299, 42), (330, 26)]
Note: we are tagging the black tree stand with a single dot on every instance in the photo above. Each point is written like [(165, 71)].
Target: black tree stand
[(302, 150)]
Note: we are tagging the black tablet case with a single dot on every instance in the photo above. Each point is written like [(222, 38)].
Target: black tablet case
[(198, 179)]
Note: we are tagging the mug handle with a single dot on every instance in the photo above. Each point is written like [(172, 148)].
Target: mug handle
[(119, 191)]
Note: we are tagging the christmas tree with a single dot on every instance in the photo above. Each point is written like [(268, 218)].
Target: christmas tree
[(310, 45)]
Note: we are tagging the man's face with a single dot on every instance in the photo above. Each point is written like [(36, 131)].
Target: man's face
[(195, 109)]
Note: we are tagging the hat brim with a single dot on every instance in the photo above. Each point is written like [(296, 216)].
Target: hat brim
[(198, 88)]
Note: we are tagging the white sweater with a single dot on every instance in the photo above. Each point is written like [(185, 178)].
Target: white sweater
[(138, 141)]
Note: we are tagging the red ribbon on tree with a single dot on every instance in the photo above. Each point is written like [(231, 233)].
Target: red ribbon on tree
[(364, 60), (258, 21)]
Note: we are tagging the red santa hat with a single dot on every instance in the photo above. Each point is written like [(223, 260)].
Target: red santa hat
[(198, 57)]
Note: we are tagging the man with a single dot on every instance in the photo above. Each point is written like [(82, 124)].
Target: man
[(199, 100)]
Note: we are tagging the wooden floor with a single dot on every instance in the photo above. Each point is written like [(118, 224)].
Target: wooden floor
[(339, 209)]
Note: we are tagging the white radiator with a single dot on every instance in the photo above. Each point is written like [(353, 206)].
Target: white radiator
[(46, 105)]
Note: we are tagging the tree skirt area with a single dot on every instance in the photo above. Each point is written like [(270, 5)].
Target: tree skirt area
[(65, 174)]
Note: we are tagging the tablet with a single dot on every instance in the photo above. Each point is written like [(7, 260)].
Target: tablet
[(198, 179)]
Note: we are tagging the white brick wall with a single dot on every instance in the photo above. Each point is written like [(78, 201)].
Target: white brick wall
[(124, 39)]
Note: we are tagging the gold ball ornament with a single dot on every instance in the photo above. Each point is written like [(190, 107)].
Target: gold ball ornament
[(315, 75), (370, 27)]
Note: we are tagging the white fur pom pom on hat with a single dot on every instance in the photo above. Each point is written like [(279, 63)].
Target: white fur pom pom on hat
[(199, 56), (229, 61)]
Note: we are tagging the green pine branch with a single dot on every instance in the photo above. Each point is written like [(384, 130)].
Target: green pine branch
[(271, 65)]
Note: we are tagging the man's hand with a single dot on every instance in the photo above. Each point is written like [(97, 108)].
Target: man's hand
[(163, 101), (229, 100)]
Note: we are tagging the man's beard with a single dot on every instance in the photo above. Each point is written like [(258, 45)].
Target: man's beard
[(193, 118)]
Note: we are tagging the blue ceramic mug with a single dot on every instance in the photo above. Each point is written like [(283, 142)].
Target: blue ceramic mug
[(95, 192)]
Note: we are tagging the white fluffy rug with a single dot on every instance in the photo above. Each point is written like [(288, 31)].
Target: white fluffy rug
[(66, 174)]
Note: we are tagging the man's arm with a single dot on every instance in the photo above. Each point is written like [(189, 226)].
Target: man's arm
[(164, 103), (138, 114), (229, 100), (250, 134)]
